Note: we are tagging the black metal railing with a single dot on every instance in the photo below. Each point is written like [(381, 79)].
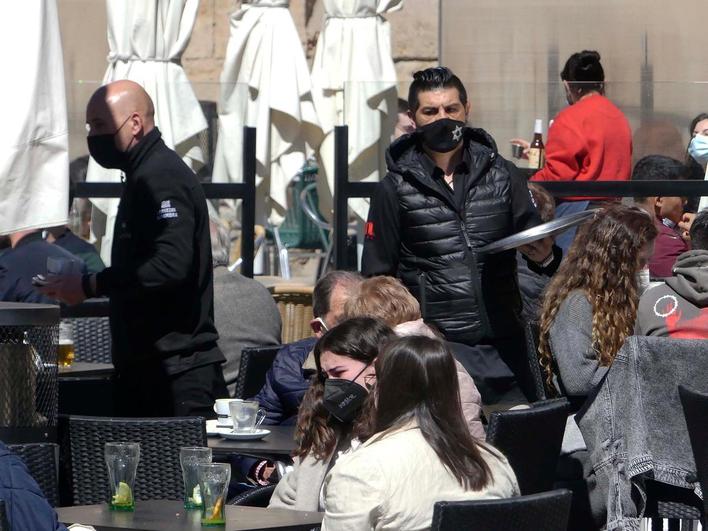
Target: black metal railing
[(245, 191), (345, 190)]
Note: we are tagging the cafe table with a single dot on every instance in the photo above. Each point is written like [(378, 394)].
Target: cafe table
[(83, 369), (83, 380), (278, 443), (162, 515)]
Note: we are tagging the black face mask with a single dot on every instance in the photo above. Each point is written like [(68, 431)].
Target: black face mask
[(104, 151), (343, 398), (442, 135)]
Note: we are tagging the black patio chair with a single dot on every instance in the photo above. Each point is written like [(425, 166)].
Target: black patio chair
[(92, 339), (258, 497), (42, 460), (159, 474), (532, 334), (255, 362), (531, 441), (547, 511), (695, 409)]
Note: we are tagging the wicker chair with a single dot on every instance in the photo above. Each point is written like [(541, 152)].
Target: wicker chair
[(531, 440), (255, 362), (534, 366), (547, 511), (295, 307), (92, 339), (42, 460), (695, 409), (159, 475)]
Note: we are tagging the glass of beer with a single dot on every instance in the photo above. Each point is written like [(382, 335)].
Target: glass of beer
[(65, 355)]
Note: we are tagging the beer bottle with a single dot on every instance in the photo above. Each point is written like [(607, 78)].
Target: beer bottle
[(537, 150)]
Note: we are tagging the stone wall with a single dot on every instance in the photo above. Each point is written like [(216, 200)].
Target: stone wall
[(83, 25), (414, 38)]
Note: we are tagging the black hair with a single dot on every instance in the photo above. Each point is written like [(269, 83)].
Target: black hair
[(317, 431), (658, 168), (416, 379), (699, 231), (322, 294), (584, 73), (358, 338), (435, 78), (694, 122), (403, 105)]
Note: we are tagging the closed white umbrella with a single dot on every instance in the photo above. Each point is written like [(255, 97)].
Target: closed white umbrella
[(354, 83), (34, 158), (146, 40), (265, 84)]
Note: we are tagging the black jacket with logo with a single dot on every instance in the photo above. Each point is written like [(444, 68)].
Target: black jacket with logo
[(160, 281), (428, 235)]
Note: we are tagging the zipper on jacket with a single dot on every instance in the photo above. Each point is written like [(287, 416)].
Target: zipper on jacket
[(422, 286), (476, 281)]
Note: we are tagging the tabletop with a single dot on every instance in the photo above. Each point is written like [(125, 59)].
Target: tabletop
[(280, 442), (83, 368), (170, 516)]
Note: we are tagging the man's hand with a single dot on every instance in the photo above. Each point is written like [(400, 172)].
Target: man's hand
[(685, 225), (525, 144), (65, 288), (538, 251)]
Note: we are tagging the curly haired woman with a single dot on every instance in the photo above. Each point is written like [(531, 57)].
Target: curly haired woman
[(590, 306)]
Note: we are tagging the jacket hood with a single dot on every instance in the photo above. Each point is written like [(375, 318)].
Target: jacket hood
[(401, 154), (690, 278)]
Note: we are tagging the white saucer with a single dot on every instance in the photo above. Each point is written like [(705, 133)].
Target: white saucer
[(244, 436), (213, 428)]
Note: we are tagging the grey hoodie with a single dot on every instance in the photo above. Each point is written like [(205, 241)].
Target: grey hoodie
[(679, 308)]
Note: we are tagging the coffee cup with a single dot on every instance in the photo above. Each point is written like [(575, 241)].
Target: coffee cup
[(221, 408)]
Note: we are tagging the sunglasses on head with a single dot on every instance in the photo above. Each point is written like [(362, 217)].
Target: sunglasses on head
[(318, 325)]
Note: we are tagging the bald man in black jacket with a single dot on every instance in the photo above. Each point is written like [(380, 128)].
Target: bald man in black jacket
[(160, 281)]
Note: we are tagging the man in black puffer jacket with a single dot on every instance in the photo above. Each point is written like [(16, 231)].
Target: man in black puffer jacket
[(448, 193)]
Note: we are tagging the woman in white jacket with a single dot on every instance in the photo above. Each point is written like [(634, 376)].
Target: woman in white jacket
[(422, 451)]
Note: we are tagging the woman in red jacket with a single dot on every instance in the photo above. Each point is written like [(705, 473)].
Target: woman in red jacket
[(590, 140)]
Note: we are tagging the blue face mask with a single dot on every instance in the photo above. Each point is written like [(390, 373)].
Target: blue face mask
[(698, 149)]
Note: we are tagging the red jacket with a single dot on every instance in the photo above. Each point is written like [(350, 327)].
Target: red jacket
[(588, 141)]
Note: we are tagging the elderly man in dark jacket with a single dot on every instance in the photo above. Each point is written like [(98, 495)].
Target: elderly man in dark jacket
[(25, 505), (447, 193), (287, 380)]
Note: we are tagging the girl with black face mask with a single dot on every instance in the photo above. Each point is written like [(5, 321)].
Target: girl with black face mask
[(334, 415)]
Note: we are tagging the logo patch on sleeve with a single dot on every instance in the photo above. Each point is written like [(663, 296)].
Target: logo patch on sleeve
[(167, 211), (369, 232)]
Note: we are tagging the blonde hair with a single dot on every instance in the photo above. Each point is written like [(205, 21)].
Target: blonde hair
[(384, 298)]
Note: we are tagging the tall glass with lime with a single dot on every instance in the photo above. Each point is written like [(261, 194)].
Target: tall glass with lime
[(122, 462)]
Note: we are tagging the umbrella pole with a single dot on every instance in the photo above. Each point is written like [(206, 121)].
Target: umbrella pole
[(248, 208), (341, 207)]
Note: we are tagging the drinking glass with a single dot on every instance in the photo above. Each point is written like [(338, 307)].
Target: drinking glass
[(189, 458), (65, 354), (122, 462), (246, 415), (213, 483)]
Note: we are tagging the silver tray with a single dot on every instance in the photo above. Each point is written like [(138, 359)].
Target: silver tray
[(538, 232)]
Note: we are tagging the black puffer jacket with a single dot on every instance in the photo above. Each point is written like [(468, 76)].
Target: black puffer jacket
[(428, 236)]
